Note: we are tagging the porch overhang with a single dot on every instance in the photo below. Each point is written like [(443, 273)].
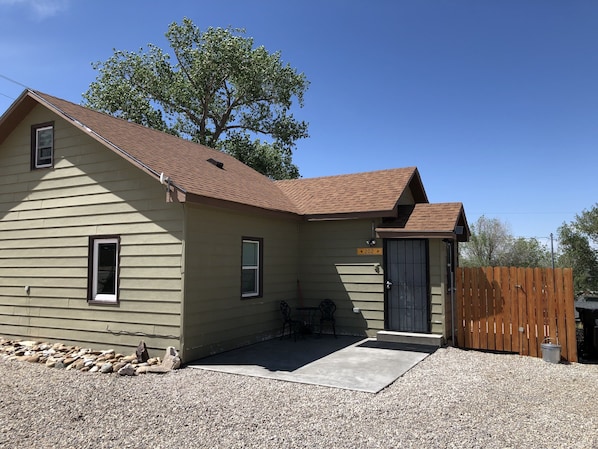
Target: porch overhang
[(427, 221), (397, 233)]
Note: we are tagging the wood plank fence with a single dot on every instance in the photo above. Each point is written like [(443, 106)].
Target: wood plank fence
[(516, 309)]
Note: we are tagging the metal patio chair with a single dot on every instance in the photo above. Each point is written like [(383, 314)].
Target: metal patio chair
[(327, 309), (287, 320)]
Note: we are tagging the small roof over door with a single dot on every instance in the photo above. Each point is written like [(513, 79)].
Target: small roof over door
[(425, 220)]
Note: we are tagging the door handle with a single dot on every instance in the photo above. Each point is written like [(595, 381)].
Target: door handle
[(388, 284)]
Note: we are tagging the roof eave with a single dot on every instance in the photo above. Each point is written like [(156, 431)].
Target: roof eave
[(202, 200), (398, 233), (15, 113), (23, 107), (349, 215), (422, 196)]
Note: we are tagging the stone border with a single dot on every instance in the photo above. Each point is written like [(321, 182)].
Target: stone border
[(61, 356)]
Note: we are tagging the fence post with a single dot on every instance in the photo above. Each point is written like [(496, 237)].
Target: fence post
[(569, 307)]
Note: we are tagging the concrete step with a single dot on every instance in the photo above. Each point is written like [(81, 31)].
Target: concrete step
[(410, 338)]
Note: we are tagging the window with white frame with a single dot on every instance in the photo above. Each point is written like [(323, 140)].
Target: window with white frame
[(42, 145), (251, 267), (103, 269)]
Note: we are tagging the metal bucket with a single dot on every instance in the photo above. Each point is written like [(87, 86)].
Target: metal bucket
[(551, 352)]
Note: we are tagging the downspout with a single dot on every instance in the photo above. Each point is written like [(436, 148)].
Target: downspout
[(182, 321), (450, 266)]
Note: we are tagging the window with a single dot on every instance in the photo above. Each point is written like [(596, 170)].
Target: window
[(103, 269), (251, 269), (42, 145)]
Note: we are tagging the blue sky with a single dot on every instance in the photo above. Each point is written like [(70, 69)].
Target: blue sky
[(495, 101)]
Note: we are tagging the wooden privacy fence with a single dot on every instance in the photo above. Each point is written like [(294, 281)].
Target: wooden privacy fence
[(516, 309)]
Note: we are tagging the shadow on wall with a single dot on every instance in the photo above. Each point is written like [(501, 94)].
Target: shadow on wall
[(355, 288), (88, 191)]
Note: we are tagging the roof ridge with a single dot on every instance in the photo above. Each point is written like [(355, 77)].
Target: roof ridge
[(345, 175), (187, 164)]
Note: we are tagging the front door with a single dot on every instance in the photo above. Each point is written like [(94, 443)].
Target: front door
[(407, 292)]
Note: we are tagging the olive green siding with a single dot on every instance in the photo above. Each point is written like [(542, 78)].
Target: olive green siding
[(180, 263), (330, 268), (46, 219), (438, 289), (216, 317)]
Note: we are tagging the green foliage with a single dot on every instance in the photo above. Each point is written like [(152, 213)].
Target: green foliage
[(577, 252), (219, 91), (488, 241), (491, 244), (527, 253), (587, 223)]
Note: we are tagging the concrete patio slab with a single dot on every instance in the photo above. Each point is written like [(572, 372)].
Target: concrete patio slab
[(345, 362)]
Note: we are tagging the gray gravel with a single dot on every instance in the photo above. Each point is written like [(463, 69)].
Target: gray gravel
[(453, 399)]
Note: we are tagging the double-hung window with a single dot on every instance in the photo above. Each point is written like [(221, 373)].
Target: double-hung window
[(103, 269), (251, 267), (42, 145)]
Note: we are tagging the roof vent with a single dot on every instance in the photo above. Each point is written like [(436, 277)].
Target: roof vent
[(218, 164)]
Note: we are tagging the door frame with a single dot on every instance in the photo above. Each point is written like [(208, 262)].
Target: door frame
[(387, 290)]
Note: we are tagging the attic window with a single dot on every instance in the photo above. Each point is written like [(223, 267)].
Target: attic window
[(218, 164), (42, 145)]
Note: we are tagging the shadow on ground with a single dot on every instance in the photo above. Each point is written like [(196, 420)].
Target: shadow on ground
[(398, 346), (352, 363), (281, 354)]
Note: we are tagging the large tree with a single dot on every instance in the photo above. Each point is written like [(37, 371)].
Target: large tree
[(219, 91), (577, 245), (488, 241), (492, 244), (527, 252)]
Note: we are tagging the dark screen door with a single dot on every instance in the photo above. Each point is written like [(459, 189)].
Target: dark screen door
[(407, 298)]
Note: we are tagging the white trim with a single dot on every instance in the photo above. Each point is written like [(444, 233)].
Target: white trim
[(37, 147), (255, 268), (103, 297)]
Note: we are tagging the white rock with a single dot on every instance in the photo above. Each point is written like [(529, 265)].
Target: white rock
[(127, 370), (171, 359)]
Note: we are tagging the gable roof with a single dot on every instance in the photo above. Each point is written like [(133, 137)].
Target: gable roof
[(186, 163), (425, 220), (375, 193), (206, 176)]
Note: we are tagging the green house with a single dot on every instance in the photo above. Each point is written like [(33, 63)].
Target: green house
[(112, 233)]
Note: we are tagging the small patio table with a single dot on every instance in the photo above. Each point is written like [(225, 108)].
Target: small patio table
[(307, 317)]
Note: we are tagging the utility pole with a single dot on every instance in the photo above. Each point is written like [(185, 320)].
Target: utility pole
[(552, 249)]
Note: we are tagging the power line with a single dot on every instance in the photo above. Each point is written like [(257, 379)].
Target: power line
[(13, 81)]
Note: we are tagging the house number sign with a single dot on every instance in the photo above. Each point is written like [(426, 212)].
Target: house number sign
[(369, 251)]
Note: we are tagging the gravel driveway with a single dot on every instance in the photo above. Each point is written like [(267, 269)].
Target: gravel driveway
[(453, 399)]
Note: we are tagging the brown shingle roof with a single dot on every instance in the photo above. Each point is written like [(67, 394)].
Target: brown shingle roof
[(371, 192), (425, 219), (185, 162), (188, 165)]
